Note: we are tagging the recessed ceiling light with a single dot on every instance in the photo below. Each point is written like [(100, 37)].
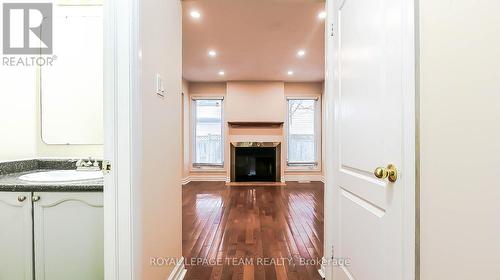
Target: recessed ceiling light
[(212, 53), (195, 14), (290, 72), (301, 53), (221, 73), (322, 15)]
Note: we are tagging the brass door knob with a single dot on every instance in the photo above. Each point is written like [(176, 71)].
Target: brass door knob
[(389, 172), (35, 198), (21, 198)]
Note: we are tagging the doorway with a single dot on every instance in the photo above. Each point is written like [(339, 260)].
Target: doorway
[(196, 171), (253, 75), (52, 140)]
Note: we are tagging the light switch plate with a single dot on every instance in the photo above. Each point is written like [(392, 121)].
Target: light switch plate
[(160, 89)]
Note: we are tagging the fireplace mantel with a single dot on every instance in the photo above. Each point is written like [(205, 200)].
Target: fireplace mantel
[(254, 124), (255, 144)]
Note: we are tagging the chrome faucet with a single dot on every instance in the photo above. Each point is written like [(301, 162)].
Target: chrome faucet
[(88, 165)]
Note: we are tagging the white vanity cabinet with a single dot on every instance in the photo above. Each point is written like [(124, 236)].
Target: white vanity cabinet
[(16, 239), (68, 235), (61, 234)]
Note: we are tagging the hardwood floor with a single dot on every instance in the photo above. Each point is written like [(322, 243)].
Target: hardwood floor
[(252, 232)]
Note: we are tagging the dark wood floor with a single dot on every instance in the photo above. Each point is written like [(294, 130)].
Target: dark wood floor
[(247, 232)]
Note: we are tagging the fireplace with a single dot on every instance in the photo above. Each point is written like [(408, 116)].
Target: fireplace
[(255, 162)]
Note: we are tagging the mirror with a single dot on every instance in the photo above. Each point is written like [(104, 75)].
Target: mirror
[(71, 89)]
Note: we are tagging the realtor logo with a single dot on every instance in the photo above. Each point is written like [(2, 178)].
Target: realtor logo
[(27, 28)]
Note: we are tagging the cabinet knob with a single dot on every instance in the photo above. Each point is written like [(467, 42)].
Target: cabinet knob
[(36, 198), (21, 198)]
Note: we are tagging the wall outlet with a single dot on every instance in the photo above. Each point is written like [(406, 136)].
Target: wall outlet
[(160, 89)]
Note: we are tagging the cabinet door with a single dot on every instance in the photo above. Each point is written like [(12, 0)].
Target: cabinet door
[(16, 239), (68, 236)]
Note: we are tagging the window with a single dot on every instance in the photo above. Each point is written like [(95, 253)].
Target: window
[(302, 132), (208, 141)]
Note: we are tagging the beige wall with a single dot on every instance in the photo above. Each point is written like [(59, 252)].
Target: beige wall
[(207, 89), (459, 139), (161, 211), (304, 89), (247, 101), (68, 151), (255, 101), (17, 113)]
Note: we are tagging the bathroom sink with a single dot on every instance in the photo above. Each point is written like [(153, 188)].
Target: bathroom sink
[(61, 176)]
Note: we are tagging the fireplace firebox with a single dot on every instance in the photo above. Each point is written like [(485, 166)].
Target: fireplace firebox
[(255, 162)]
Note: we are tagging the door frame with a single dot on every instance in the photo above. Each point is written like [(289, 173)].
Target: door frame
[(122, 140), (410, 139)]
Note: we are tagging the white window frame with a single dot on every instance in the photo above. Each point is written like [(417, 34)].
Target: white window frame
[(315, 165), (194, 164)]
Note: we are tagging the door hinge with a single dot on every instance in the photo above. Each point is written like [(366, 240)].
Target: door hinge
[(332, 254), (106, 166), (331, 30)]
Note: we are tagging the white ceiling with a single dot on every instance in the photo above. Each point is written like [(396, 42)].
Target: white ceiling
[(255, 40)]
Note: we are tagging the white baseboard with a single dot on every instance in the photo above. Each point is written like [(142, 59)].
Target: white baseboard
[(204, 178), (321, 273), (303, 177), (322, 270), (185, 180), (179, 271), (222, 178)]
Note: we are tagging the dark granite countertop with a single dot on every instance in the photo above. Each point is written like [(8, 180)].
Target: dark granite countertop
[(11, 171)]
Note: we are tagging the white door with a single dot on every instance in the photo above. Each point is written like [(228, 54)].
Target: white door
[(373, 126), (16, 247), (68, 236)]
